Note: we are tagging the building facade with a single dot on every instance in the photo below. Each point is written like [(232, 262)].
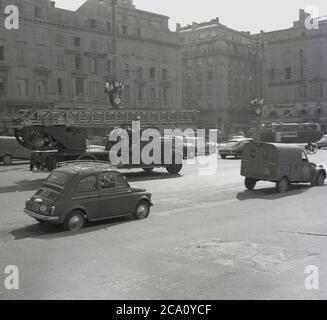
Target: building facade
[(62, 59), (218, 74), (293, 77)]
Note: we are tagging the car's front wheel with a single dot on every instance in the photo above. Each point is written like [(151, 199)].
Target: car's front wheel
[(75, 221), (320, 179), (142, 210)]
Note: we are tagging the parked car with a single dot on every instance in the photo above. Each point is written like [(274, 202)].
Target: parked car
[(234, 148), (10, 149), (78, 192), (280, 163), (322, 143)]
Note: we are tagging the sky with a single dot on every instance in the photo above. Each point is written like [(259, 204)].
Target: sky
[(249, 15)]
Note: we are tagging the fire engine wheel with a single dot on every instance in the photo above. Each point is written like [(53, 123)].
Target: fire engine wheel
[(250, 183), (174, 168), (282, 185), (75, 221), (7, 160)]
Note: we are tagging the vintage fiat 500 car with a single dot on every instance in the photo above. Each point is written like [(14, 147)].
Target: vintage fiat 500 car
[(280, 163), (86, 191)]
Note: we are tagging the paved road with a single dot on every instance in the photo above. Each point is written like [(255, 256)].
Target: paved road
[(207, 238)]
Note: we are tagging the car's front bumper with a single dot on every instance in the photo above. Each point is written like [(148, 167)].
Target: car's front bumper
[(40, 217)]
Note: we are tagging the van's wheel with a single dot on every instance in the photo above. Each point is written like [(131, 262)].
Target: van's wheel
[(320, 179), (148, 169), (142, 210), (174, 168), (250, 183), (75, 221), (282, 185), (7, 160)]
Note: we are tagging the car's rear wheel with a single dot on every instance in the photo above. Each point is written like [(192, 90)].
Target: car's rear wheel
[(238, 155), (282, 185), (75, 221), (250, 183), (7, 160), (142, 210), (148, 169), (174, 168)]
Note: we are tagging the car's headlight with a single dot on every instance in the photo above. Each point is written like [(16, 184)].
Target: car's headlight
[(43, 209)]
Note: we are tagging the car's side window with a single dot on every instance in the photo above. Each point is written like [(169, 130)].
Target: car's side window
[(108, 181), (87, 184), (112, 180)]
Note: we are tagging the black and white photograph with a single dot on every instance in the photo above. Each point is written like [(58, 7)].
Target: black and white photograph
[(160, 150)]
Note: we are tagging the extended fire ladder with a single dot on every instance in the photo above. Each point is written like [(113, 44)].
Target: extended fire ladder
[(100, 119)]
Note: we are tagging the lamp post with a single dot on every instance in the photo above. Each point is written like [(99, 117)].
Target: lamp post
[(114, 40)]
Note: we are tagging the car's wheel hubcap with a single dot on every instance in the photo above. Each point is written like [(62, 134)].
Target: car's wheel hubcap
[(75, 223), (321, 180), (142, 210)]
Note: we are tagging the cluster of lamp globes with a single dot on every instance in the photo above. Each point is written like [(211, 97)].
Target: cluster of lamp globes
[(257, 104), (114, 90)]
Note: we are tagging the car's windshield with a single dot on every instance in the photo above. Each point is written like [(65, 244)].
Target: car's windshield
[(232, 144), (58, 178), (46, 194)]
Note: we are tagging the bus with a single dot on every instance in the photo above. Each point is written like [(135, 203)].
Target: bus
[(291, 132)]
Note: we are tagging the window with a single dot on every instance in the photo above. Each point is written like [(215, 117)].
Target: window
[(152, 94), (60, 40), (288, 73), (210, 75), (93, 23), (109, 26), (87, 184), (2, 86), (60, 62), (58, 178), (165, 95), (140, 94), (126, 94), (139, 72), (20, 56), (2, 53), (138, 32), (60, 84), (77, 42), (152, 73), (199, 76), (41, 87), (303, 91), (22, 88), (164, 74), (94, 44), (78, 63), (301, 54), (272, 74), (38, 13), (126, 71), (94, 65), (109, 66), (123, 29), (111, 180), (302, 72), (79, 86), (95, 89)]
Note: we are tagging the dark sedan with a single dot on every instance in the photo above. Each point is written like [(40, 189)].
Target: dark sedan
[(322, 143), (234, 148), (86, 191)]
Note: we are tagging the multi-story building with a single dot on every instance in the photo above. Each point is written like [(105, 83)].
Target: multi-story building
[(293, 65), (62, 59), (218, 74)]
